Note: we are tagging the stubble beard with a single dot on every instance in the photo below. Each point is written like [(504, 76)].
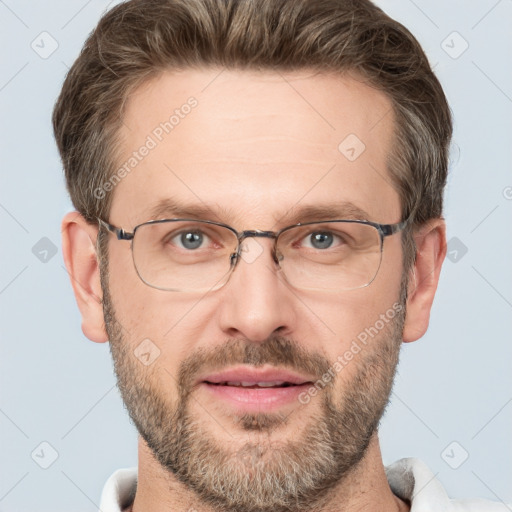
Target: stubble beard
[(260, 475)]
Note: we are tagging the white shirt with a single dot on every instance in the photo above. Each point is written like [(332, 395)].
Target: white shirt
[(409, 479)]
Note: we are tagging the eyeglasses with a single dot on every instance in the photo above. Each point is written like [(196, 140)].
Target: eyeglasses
[(189, 255)]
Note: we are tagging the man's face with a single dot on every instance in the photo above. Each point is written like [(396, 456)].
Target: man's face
[(255, 150)]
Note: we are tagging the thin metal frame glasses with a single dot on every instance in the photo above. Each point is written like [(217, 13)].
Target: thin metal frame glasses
[(330, 255)]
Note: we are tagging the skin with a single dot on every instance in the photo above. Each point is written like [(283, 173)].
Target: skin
[(257, 147)]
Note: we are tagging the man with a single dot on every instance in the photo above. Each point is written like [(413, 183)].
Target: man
[(259, 194)]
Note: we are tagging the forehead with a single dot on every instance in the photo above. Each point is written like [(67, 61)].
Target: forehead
[(254, 147)]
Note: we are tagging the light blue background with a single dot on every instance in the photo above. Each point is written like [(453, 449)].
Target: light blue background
[(58, 387)]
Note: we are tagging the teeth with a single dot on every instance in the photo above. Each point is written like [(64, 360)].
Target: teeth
[(260, 384), (270, 384)]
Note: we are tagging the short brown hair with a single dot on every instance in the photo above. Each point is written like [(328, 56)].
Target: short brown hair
[(139, 39)]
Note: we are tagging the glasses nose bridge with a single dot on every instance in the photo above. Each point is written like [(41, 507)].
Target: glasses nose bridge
[(255, 233)]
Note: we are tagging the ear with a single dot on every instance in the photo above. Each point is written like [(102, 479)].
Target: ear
[(80, 258), (423, 278)]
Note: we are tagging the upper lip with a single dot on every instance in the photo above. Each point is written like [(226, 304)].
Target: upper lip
[(255, 375)]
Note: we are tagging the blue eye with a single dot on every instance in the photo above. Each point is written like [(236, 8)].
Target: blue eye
[(190, 239), (321, 240)]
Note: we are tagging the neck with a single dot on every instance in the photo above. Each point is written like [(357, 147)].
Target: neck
[(364, 488)]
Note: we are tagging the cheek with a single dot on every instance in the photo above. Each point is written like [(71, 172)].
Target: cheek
[(165, 325), (143, 311), (339, 319), (365, 358)]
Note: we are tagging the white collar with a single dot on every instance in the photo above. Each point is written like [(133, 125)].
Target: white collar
[(409, 479)]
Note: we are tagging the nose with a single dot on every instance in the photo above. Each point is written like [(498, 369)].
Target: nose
[(256, 301)]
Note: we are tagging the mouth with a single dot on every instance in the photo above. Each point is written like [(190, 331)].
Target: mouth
[(253, 385), (251, 376), (256, 389)]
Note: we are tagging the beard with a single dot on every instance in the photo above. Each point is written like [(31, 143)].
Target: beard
[(261, 475)]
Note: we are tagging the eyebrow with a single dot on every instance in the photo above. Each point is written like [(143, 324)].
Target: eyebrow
[(173, 208), (330, 211)]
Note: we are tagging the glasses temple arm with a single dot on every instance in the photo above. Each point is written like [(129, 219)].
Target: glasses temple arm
[(391, 229), (120, 233)]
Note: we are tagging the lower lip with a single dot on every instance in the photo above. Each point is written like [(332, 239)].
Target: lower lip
[(256, 399)]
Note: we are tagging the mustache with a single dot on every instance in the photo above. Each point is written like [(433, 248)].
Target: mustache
[(275, 351)]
